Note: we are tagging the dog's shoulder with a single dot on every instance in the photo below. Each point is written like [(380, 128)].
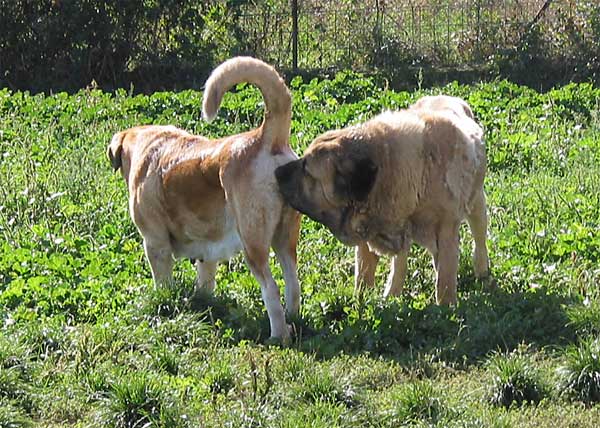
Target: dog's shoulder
[(455, 149), (126, 146), (446, 128)]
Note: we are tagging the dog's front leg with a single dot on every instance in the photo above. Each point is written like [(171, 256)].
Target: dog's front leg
[(365, 265), (161, 262), (478, 223), (206, 272), (446, 263), (396, 278)]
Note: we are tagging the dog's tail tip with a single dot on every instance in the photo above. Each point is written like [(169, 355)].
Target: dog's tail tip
[(210, 105), (208, 117)]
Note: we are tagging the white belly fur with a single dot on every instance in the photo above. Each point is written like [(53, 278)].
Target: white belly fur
[(205, 250)]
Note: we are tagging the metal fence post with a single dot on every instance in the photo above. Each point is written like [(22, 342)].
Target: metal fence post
[(294, 35)]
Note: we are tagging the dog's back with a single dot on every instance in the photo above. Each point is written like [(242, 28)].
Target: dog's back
[(456, 105), (140, 144), (274, 131)]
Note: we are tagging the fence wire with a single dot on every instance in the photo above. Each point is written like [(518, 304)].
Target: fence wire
[(334, 34)]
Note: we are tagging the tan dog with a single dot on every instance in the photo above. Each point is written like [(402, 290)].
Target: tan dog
[(208, 199), (411, 175)]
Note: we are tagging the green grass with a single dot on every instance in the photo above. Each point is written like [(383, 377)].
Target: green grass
[(579, 377), (417, 402), (515, 380), (132, 400), (87, 340)]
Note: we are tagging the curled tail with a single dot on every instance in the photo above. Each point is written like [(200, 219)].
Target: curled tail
[(278, 100)]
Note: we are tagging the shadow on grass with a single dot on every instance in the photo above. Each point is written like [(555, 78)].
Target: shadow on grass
[(231, 315), (483, 321), (338, 322)]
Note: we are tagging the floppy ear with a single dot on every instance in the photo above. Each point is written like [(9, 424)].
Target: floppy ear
[(362, 179), (356, 179)]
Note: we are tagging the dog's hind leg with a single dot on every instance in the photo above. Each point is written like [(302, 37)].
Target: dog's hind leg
[(206, 272), (284, 243), (446, 263), (258, 215), (478, 223), (258, 261), (256, 233), (161, 262), (365, 265), (397, 276)]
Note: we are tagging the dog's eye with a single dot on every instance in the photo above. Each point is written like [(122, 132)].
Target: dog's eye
[(304, 165)]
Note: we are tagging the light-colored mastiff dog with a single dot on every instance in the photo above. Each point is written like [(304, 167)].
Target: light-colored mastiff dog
[(403, 176)]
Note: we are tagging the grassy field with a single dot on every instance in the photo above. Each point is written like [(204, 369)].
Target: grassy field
[(86, 339)]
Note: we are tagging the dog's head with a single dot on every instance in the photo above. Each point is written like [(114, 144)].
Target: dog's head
[(332, 179)]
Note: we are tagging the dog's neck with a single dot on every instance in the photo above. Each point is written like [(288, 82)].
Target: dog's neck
[(367, 223), (360, 218)]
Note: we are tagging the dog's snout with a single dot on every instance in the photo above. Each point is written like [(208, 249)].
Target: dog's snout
[(284, 173)]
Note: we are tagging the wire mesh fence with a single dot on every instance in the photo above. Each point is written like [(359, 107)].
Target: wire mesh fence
[(162, 44), (379, 33)]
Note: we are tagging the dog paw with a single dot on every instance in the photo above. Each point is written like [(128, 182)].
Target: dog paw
[(283, 339)]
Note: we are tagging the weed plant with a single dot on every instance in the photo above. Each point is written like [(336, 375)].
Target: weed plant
[(579, 377), (416, 403), (515, 381)]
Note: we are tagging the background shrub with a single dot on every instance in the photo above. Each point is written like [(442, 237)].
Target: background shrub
[(52, 45)]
